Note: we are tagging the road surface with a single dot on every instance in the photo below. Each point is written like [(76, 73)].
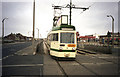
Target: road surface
[(87, 64), (8, 49)]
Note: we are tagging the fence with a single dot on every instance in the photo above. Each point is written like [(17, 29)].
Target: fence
[(97, 47)]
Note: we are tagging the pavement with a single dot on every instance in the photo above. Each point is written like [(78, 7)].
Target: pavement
[(50, 67), (31, 50), (26, 51)]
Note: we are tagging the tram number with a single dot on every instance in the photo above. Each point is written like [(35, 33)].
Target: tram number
[(66, 55)]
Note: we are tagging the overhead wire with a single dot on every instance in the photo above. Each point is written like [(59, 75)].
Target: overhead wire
[(84, 10), (88, 7), (59, 2)]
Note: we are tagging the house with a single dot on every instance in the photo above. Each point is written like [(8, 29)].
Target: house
[(15, 37), (87, 38), (104, 38)]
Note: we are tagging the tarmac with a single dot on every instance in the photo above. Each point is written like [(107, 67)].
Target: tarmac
[(31, 50), (50, 67)]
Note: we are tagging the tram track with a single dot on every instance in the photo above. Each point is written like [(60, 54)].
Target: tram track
[(85, 52), (65, 74), (87, 68), (105, 60), (61, 68)]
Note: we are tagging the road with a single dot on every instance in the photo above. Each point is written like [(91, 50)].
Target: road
[(17, 64), (8, 49), (42, 64)]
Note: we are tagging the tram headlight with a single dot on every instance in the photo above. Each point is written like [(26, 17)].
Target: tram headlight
[(60, 48), (73, 48)]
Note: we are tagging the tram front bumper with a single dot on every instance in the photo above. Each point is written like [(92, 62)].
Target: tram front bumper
[(63, 54)]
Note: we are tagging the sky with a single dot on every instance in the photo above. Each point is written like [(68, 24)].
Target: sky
[(94, 20)]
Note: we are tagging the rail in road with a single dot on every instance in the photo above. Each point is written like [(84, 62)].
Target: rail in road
[(83, 51), (87, 52), (62, 69)]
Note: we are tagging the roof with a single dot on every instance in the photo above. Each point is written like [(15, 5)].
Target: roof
[(63, 26)]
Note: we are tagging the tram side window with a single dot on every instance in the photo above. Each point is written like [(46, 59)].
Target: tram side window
[(55, 37), (49, 37)]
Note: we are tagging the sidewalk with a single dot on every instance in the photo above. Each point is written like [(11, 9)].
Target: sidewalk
[(50, 67)]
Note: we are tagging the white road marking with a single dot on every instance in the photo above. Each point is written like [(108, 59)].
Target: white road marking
[(40, 71), (34, 53), (22, 65), (69, 63), (24, 54), (107, 57), (97, 63), (7, 56)]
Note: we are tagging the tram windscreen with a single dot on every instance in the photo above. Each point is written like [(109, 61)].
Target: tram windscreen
[(66, 37)]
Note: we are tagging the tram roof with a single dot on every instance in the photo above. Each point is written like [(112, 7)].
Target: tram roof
[(64, 27)]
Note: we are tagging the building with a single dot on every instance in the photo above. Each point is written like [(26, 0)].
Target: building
[(87, 38), (15, 37), (29, 38), (104, 38)]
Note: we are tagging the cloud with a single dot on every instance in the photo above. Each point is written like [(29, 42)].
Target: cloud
[(90, 21)]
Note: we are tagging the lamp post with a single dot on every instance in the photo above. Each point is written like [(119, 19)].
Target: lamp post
[(33, 27), (38, 32), (3, 30), (112, 29)]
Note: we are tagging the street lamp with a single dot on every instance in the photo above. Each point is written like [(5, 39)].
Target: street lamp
[(33, 27), (112, 29), (38, 32), (3, 29)]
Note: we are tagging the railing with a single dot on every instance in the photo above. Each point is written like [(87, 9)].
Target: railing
[(96, 46)]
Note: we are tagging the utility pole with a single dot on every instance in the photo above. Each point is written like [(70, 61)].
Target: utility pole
[(3, 30), (33, 27), (70, 6), (70, 10), (112, 29), (28, 34), (38, 32)]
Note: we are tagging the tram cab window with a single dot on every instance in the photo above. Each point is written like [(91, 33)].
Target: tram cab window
[(54, 37), (66, 37)]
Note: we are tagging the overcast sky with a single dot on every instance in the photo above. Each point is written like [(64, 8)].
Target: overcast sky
[(94, 20)]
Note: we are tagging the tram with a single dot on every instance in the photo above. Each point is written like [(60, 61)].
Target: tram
[(62, 41)]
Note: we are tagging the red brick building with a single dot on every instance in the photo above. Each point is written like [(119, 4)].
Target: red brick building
[(87, 38)]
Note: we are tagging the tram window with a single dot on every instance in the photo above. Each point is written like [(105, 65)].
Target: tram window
[(51, 37), (67, 38), (55, 37)]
